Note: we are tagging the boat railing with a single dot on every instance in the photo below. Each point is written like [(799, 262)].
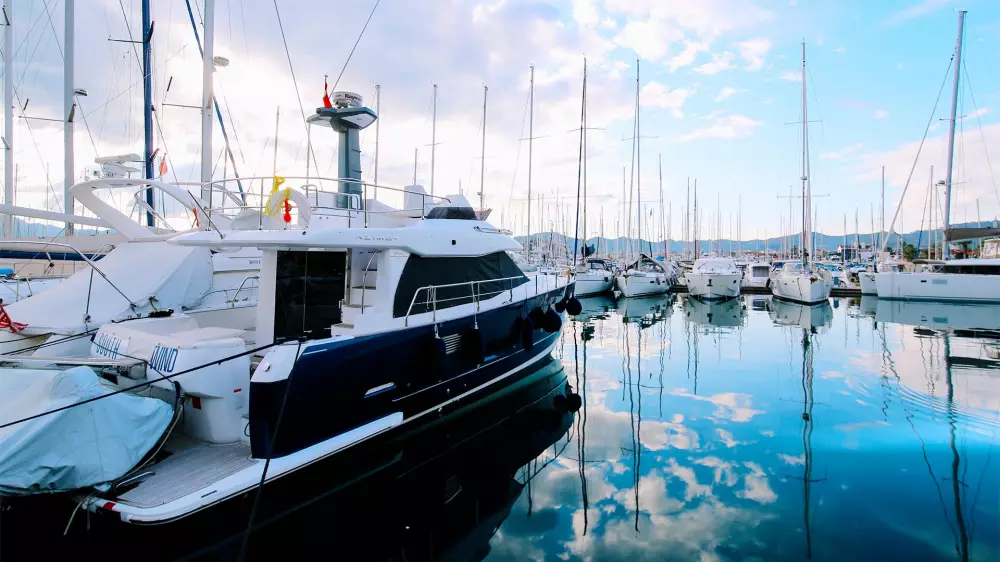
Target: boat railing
[(475, 294), (350, 202), (240, 288), (364, 280)]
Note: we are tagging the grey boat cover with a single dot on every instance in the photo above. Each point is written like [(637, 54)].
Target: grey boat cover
[(79, 447)]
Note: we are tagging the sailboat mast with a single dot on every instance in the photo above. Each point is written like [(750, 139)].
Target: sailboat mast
[(434, 117), (378, 104), (638, 167), (207, 98), (695, 229), (951, 132), (881, 229), (659, 166), (531, 129), (687, 219), (69, 106), (8, 116), (805, 179), (482, 158)]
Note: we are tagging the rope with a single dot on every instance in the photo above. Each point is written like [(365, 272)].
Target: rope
[(927, 129), (989, 163), (351, 54)]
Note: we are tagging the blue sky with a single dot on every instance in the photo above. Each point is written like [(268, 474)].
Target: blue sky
[(719, 82)]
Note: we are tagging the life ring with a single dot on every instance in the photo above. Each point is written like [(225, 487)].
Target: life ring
[(285, 198)]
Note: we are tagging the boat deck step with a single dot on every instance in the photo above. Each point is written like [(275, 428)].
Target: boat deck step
[(193, 467)]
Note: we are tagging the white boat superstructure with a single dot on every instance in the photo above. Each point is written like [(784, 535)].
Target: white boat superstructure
[(969, 280), (714, 278), (595, 277), (644, 277), (756, 274)]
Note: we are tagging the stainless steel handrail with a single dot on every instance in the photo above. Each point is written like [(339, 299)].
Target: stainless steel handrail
[(364, 280), (433, 300), (363, 196), (240, 288)]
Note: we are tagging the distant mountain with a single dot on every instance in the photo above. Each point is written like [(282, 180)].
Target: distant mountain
[(823, 241)]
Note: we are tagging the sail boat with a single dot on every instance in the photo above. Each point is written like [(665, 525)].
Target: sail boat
[(963, 280), (804, 282), (644, 276), (594, 276)]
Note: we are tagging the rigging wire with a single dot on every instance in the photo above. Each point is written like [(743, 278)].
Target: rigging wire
[(927, 129), (982, 135)]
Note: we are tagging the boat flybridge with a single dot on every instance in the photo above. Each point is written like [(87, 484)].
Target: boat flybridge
[(379, 318), (645, 276), (714, 278)]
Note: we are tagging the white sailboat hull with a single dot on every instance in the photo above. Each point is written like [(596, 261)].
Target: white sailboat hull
[(593, 283), (713, 286), (638, 285), (802, 287), (956, 287), (868, 286)]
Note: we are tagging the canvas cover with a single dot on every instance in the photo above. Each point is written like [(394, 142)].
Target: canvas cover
[(78, 447)]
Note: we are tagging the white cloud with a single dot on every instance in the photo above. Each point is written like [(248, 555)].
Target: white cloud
[(718, 63), (791, 76), (655, 94), (843, 152), (585, 12), (840, 50), (881, 114), (753, 52), (914, 11), (687, 55), (726, 92)]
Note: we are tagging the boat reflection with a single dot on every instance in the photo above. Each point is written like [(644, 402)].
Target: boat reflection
[(785, 313), (869, 304), (646, 311), (597, 307), (725, 314), (939, 315)]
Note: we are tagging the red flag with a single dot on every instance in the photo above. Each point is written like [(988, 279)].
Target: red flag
[(6, 322), (163, 165), (326, 94)]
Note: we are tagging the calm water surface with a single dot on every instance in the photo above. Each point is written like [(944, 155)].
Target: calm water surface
[(756, 429)]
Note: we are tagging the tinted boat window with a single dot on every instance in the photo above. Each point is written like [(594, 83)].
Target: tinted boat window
[(422, 272), (308, 291)]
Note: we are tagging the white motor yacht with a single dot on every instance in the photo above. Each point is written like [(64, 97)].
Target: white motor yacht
[(756, 274), (164, 416), (714, 278)]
